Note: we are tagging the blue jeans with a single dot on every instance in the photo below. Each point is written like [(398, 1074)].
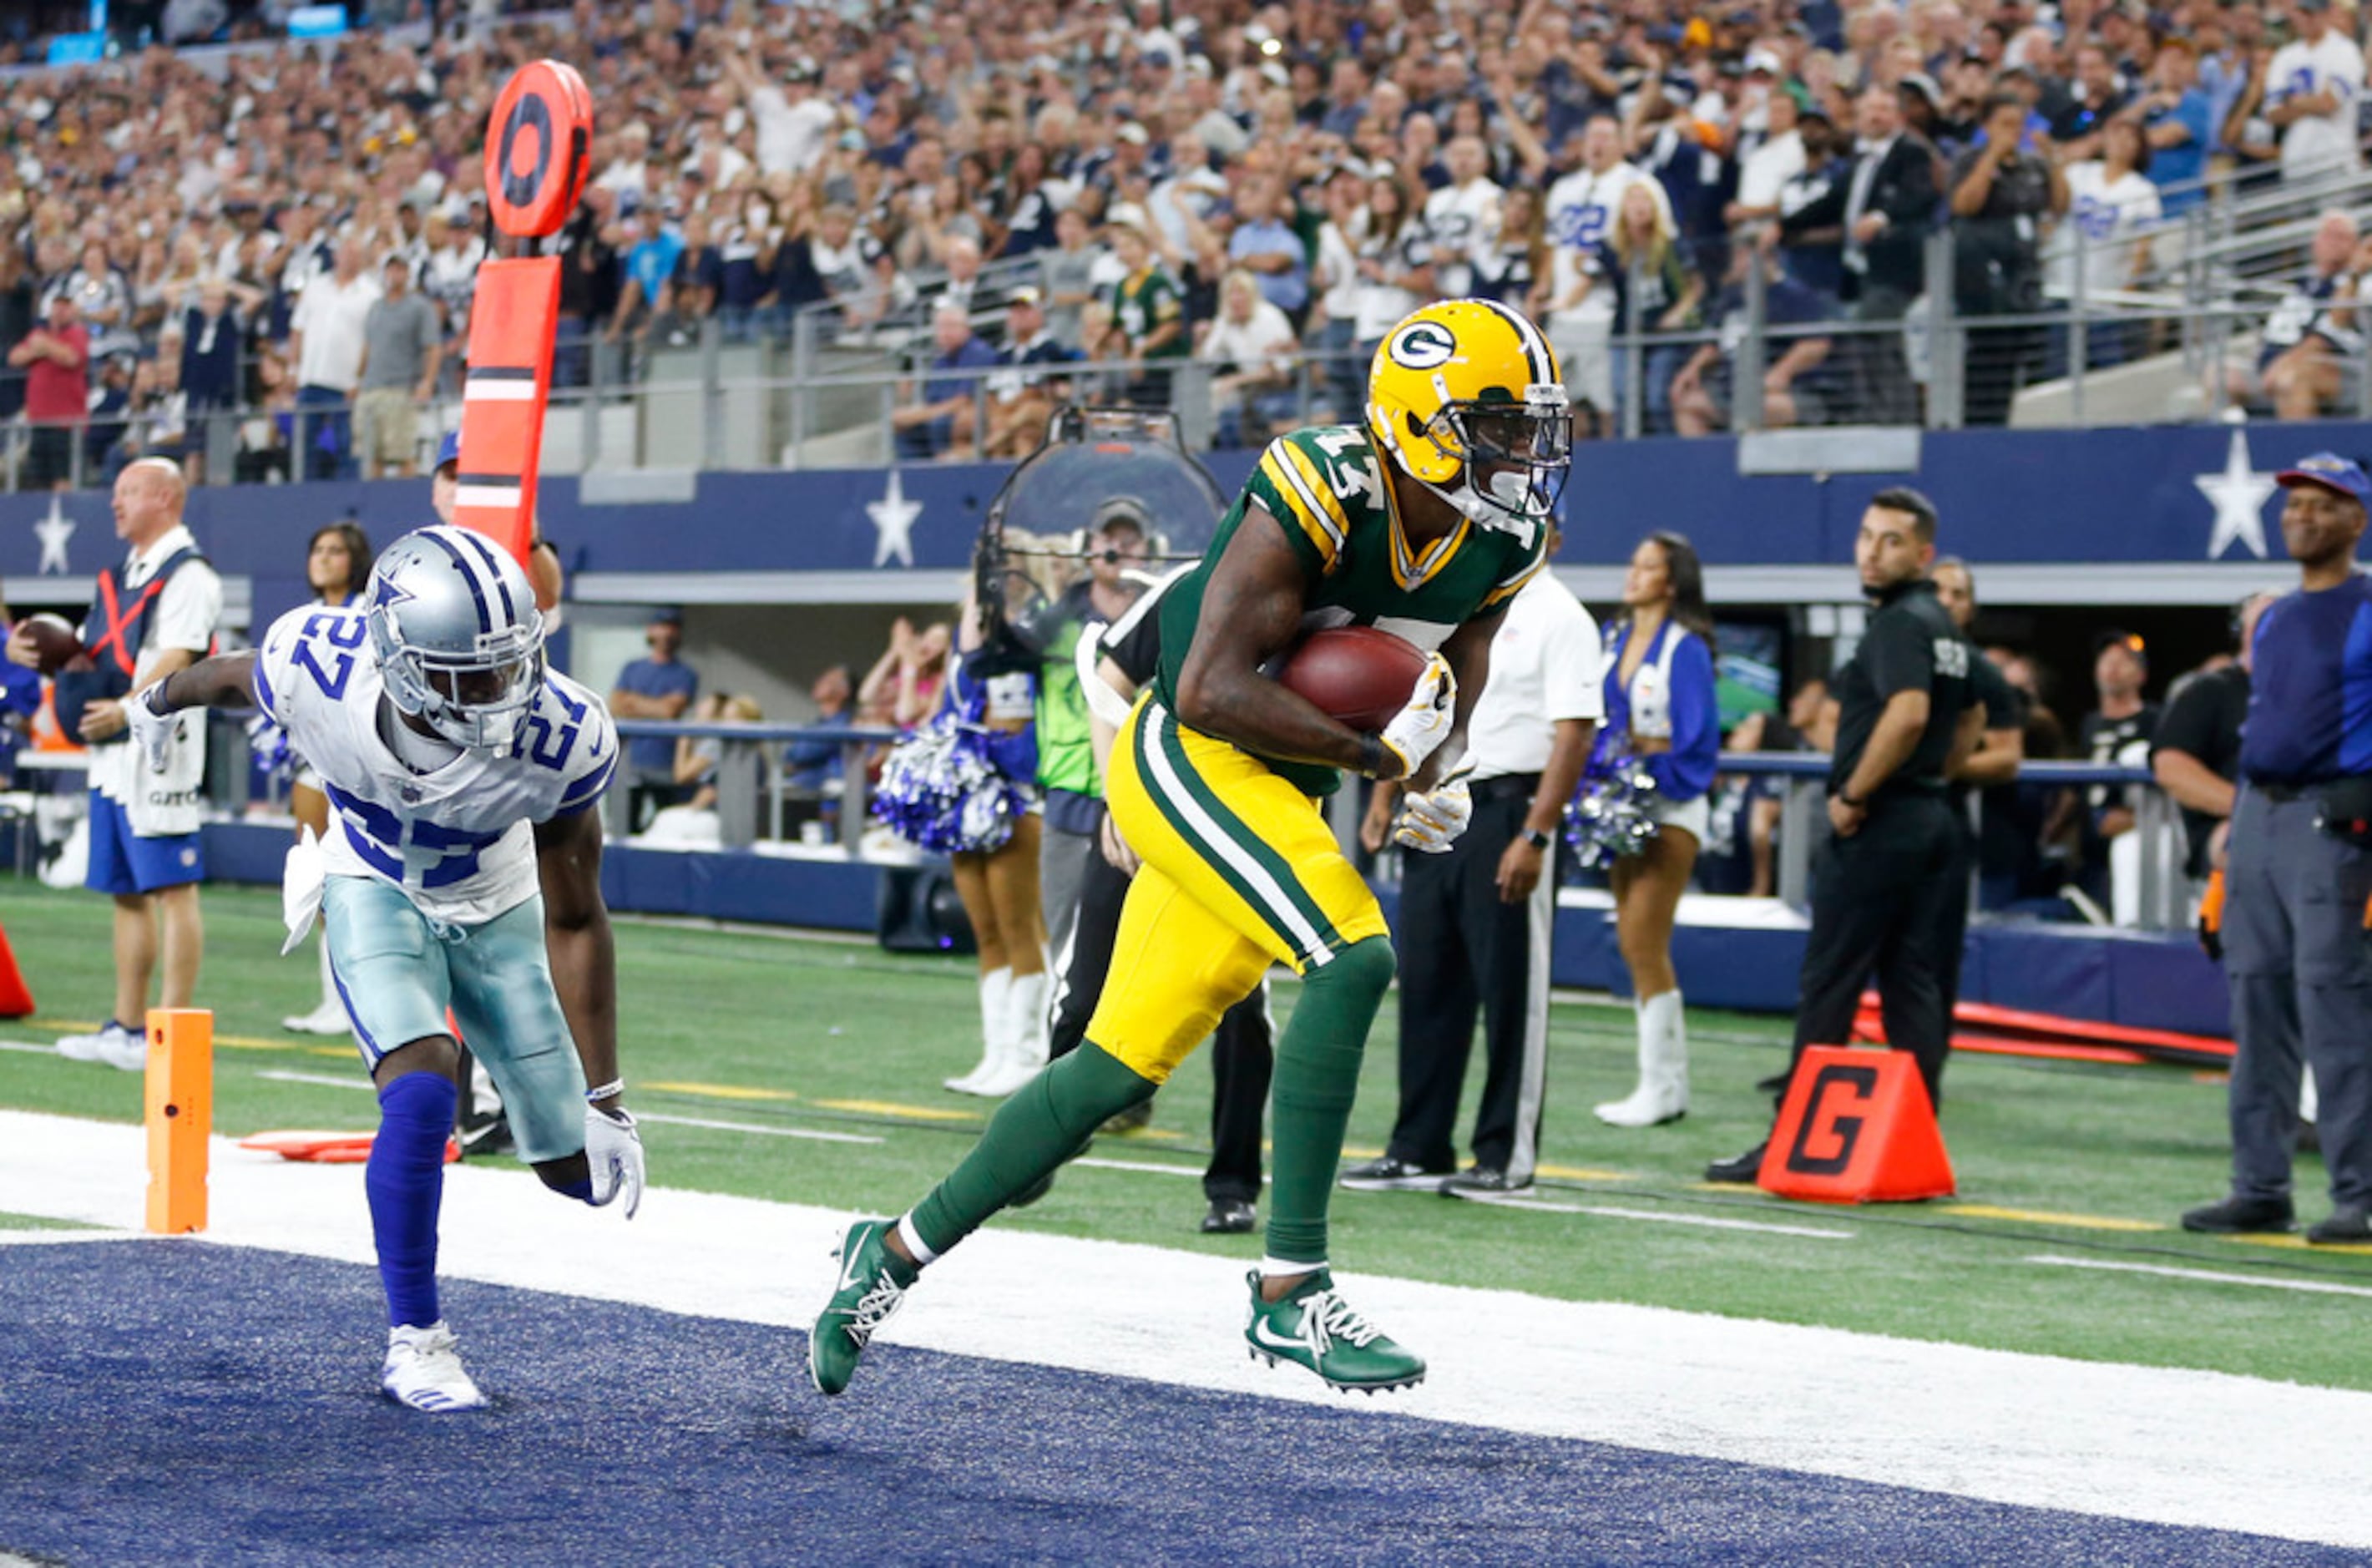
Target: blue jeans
[(329, 434)]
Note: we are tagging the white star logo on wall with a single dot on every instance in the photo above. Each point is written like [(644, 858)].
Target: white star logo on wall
[(893, 520), (53, 532), (2239, 495)]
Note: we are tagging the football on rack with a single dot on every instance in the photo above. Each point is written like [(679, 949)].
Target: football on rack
[(1356, 675)]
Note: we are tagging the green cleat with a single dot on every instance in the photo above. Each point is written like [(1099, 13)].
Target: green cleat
[(1313, 1327), (873, 1281)]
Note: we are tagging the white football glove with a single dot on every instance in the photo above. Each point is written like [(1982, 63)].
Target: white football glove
[(154, 733), (1425, 722), (614, 1150), (1430, 823)]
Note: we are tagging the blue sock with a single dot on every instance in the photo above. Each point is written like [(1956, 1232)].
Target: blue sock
[(405, 1180)]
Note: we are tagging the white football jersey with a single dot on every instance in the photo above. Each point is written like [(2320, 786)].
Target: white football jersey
[(459, 839)]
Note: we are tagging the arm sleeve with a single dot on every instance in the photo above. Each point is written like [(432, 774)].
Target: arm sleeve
[(1686, 771), (593, 761), (1898, 654), (2188, 724), (1293, 486), (275, 670), (2002, 709), (1574, 685), (189, 609)]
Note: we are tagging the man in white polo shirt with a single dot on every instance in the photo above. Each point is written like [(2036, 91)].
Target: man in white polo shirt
[(1475, 918), (2311, 90), (326, 339)]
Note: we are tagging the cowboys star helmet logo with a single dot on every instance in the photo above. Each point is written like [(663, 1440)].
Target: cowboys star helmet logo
[(1423, 345)]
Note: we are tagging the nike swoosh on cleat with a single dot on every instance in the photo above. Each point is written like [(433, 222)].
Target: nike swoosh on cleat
[(1263, 1334), (848, 1275)]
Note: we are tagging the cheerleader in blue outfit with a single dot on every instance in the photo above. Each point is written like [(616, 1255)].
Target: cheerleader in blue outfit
[(1660, 702), (964, 786)]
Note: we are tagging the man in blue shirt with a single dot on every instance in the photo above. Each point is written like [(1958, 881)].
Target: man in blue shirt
[(1266, 245), (2175, 122), (659, 686), (940, 423), (2298, 874), (649, 267)]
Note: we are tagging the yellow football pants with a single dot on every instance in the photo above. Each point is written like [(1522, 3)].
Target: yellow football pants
[(1240, 870)]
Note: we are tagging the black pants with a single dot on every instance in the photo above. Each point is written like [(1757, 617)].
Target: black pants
[(1462, 950), (1243, 1047), (1892, 899)]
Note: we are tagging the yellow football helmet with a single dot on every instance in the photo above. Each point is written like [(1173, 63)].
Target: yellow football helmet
[(1466, 396)]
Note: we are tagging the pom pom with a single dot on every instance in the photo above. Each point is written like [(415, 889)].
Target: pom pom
[(939, 792), (1612, 816)]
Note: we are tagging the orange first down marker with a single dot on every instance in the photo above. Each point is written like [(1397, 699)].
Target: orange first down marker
[(181, 1116)]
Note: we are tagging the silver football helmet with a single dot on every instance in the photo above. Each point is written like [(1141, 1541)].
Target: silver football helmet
[(459, 639)]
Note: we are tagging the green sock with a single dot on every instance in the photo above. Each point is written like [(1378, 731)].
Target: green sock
[(1309, 1098), (1030, 1134)]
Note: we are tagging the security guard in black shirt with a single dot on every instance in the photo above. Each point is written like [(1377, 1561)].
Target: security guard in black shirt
[(1887, 886)]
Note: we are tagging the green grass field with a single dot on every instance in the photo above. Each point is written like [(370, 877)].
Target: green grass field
[(770, 1037)]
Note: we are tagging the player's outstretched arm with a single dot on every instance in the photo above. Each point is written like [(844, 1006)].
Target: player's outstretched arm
[(1251, 607), (227, 680), (584, 974), (576, 934)]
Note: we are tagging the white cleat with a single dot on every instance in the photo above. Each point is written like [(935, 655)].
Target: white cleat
[(424, 1371), (329, 1018), (115, 1045)]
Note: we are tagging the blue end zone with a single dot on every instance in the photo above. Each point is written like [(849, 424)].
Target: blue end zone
[(176, 1401)]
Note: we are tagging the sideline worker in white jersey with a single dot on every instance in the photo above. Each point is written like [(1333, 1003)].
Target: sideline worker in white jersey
[(462, 776), (1476, 911), (152, 614)]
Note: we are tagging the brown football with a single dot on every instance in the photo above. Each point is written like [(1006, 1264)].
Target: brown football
[(1356, 675), (54, 641)]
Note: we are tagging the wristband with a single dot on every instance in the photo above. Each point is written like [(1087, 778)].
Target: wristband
[(1371, 756), (1537, 838), (1851, 804), (614, 1086)]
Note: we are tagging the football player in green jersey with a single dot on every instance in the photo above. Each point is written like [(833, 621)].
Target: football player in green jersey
[(1425, 521)]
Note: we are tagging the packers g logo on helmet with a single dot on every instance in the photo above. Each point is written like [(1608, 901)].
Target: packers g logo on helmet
[(1422, 345), (1465, 395)]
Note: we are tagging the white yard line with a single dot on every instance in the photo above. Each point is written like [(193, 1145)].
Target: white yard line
[(1654, 1216), (814, 1134), (811, 1133), (1145, 1166), (2205, 1276), (319, 1080), (2166, 1445)]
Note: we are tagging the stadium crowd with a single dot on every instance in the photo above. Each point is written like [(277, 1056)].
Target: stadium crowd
[(1145, 184)]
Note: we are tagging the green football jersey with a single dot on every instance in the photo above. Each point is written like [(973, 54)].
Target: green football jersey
[(1326, 486), (1147, 299)]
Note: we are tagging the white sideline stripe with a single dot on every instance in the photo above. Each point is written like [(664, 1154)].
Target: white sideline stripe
[(1708, 1222), (1146, 1166), (63, 1237), (2167, 1446), (325, 1080), (815, 1134), (2208, 1276)]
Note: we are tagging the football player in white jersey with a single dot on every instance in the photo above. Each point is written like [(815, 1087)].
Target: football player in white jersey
[(462, 871)]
